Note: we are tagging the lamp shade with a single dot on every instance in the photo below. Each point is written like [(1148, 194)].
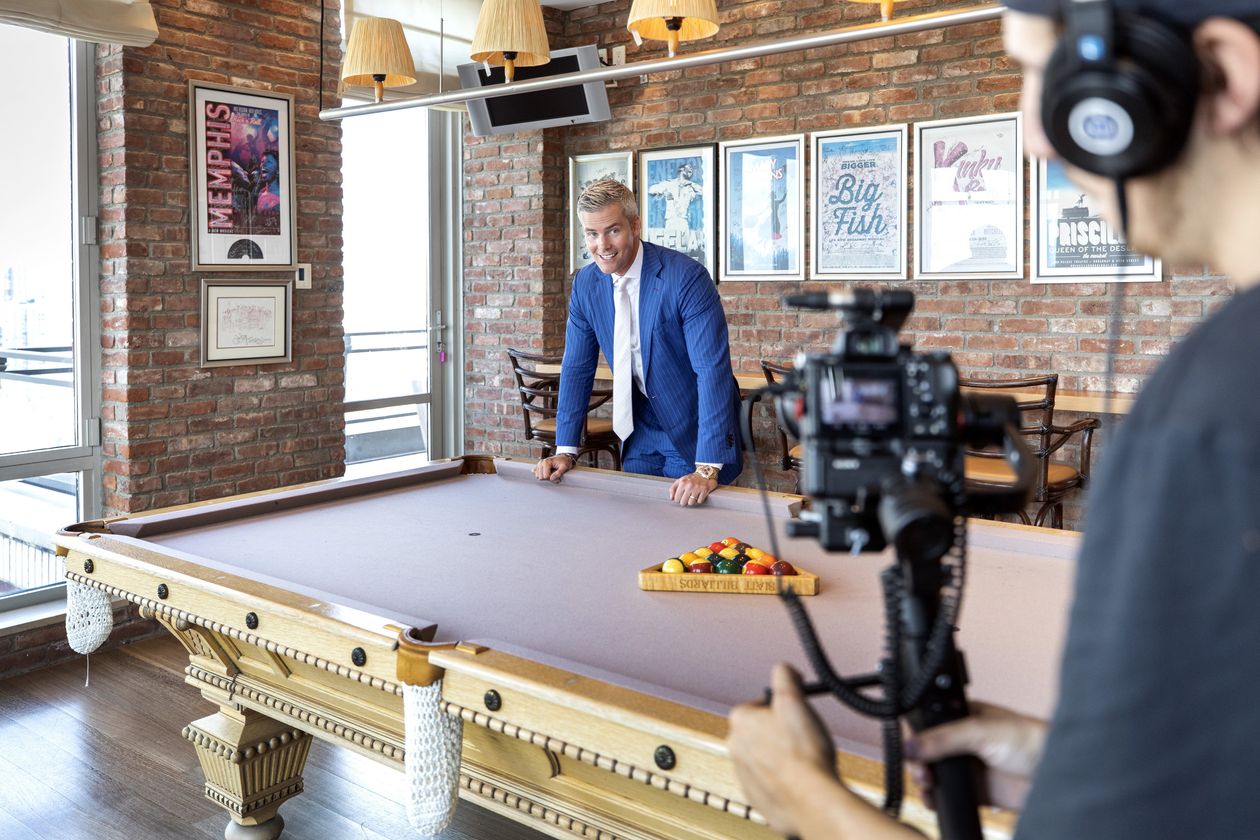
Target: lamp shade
[(673, 20), (378, 55), (511, 32), (885, 7)]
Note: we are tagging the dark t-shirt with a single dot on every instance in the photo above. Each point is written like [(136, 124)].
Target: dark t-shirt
[(1157, 729)]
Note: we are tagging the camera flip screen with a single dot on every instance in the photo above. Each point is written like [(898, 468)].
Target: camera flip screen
[(861, 402)]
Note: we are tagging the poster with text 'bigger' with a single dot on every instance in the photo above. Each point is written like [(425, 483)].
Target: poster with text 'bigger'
[(859, 204), (969, 198), (1072, 240)]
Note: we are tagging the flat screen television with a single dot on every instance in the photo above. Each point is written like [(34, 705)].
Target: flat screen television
[(542, 109)]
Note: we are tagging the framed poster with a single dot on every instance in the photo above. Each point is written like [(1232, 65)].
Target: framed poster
[(241, 154), (763, 208), (1072, 242), (585, 170), (858, 197), (678, 201), (969, 198), (246, 322)]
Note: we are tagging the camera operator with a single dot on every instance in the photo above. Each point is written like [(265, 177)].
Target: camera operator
[(1155, 729)]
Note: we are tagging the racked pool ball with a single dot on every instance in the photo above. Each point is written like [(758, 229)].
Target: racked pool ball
[(754, 553), (782, 567), (728, 567), (715, 547), (673, 566), (754, 568), (741, 559), (729, 541), (728, 554), (742, 547), (701, 567), (703, 552), (687, 558)]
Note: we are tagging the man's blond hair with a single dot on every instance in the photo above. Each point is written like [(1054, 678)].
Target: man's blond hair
[(605, 193)]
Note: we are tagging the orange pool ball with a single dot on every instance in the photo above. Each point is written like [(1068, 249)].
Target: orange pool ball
[(729, 541)]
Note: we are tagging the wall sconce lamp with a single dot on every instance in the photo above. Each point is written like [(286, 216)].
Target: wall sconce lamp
[(672, 21), (378, 55), (511, 33), (885, 7)]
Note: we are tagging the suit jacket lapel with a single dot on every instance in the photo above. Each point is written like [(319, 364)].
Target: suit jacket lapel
[(650, 289)]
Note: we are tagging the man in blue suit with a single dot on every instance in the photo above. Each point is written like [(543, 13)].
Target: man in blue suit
[(656, 315)]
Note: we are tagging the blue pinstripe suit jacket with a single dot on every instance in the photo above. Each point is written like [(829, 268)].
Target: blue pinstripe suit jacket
[(686, 356)]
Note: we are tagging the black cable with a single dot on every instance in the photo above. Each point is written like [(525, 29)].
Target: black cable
[(1118, 291)]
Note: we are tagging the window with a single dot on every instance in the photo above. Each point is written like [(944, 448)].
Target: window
[(48, 395), (387, 299)]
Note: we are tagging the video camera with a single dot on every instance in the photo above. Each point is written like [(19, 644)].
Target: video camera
[(883, 432)]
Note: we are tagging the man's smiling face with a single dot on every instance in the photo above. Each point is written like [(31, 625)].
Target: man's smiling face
[(612, 239)]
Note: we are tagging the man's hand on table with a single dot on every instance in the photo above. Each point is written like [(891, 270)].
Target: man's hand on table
[(692, 489), (553, 468)]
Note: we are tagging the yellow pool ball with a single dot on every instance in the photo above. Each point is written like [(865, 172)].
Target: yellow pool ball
[(673, 566)]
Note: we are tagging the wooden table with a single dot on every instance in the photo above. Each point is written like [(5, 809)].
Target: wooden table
[(1092, 402), (291, 602)]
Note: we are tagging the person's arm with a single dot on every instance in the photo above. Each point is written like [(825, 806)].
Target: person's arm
[(705, 333), (787, 767), (577, 377)]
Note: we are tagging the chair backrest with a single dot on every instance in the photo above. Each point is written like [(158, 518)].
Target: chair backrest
[(539, 392), (1035, 397), (774, 372)]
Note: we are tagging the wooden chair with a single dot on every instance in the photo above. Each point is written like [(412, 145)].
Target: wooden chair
[(540, 395), (1055, 479), (789, 449)]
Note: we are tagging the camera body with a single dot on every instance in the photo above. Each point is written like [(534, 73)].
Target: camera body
[(883, 432)]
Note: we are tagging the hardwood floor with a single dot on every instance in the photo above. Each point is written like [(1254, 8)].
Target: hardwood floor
[(107, 762)]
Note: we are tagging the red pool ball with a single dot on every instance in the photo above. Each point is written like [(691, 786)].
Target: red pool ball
[(751, 568), (782, 567), (701, 567)]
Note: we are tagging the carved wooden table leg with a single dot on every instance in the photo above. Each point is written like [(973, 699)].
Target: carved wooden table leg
[(252, 764)]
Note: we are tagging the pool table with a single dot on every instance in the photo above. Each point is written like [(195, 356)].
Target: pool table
[(591, 708)]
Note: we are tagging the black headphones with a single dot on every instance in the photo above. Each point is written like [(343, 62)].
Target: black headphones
[(1119, 91)]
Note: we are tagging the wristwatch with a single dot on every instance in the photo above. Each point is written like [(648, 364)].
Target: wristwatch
[(706, 471)]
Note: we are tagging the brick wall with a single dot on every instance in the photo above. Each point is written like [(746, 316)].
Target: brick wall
[(175, 432), (46, 645), (993, 328)]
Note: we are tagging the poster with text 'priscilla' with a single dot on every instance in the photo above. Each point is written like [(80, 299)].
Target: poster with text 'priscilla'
[(1073, 241), (969, 198)]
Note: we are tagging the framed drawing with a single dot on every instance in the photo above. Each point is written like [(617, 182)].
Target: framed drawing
[(969, 198), (1071, 242), (763, 208), (678, 200), (241, 154), (584, 170), (246, 322), (858, 205)]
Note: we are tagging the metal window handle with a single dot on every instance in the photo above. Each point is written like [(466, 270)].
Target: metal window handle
[(439, 330)]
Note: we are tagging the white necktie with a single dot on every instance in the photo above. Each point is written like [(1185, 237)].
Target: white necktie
[(623, 361)]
